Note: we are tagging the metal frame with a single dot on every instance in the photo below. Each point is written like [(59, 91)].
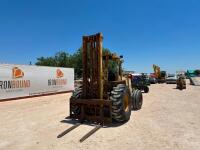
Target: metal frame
[(94, 104), (93, 107), (94, 110), (92, 66)]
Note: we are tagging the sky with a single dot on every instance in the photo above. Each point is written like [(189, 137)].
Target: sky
[(145, 32)]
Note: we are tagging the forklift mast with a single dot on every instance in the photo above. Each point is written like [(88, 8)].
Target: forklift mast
[(92, 67)]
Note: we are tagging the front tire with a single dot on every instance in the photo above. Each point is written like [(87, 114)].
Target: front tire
[(77, 93), (121, 103), (146, 89)]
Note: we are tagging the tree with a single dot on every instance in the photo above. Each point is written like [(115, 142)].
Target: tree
[(64, 59), (61, 59), (76, 61), (48, 61)]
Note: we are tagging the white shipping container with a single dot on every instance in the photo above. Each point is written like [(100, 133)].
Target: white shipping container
[(29, 80)]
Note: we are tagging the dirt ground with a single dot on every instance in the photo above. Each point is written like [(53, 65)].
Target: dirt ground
[(169, 119)]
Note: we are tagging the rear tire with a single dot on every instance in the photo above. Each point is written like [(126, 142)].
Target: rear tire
[(146, 89), (137, 100), (121, 103)]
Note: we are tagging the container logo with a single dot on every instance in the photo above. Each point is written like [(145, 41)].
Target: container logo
[(17, 73), (58, 81), (59, 73), (16, 83)]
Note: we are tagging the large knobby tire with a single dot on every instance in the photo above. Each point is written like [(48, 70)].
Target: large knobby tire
[(121, 103), (146, 89), (137, 100), (180, 85), (77, 93)]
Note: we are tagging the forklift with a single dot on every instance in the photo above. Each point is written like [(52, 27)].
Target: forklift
[(105, 97)]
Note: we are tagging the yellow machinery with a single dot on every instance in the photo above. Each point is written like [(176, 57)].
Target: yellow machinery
[(104, 97), (160, 75), (181, 83)]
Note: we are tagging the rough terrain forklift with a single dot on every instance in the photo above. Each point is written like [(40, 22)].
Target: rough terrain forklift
[(104, 97)]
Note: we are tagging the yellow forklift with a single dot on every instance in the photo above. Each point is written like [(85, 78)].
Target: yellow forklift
[(104, 97)]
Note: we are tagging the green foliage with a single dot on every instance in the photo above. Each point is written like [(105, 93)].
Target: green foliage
[(61, 59), (64, 59), (48, 61), (77, 63), (112, 65)]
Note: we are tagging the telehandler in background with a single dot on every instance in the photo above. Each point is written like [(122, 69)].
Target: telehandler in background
[(160, 75)]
